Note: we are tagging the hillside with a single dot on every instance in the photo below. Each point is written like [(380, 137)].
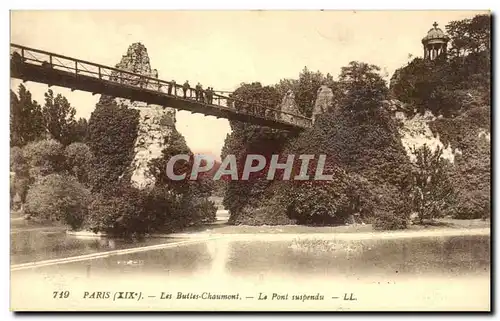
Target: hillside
[(418, 147)]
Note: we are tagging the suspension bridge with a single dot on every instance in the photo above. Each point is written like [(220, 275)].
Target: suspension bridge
[(29, 64)]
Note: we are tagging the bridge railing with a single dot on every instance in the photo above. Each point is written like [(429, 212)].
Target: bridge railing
[(127, 78)]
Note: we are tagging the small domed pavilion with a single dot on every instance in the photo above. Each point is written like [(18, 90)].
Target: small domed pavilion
[(435, 43)]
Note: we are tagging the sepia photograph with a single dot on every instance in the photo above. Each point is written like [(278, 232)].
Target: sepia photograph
[(250, 160)]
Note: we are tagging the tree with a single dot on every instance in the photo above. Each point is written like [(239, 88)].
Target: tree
[(365, 88), (20, 178), (306, 88), (26, 120), (254, 96), (59, 117), (470, 35), (80, 131), (111, 137), (431, 188)]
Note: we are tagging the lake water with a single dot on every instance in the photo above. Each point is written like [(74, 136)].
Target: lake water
[(430, 273)]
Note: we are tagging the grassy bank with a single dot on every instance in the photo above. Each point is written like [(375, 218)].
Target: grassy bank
[(442, 224)]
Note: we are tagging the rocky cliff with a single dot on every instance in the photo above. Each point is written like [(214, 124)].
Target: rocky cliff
[(416, 132), (156, 122), (324, 101), (289, 105)]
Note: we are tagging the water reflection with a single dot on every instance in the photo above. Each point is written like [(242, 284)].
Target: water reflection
[(392, 274), (38, 245), (464, 255)]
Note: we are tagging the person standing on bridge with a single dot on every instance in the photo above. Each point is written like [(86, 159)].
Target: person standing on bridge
[(208, 95), (185, 88), (212, 95), (173, 85), (199, 92)]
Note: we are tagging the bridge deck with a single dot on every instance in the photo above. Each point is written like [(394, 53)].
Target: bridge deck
[(56, 70)]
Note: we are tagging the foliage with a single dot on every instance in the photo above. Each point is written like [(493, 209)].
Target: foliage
[(205, 211), (392, 207), (268, 211), (18, 162), (472, 204), (44, 157), (323, 203), (461, 131), (471, 174), (358, 137), (112, 133), (58, 197), (30, 122), (306, 88), (472, 178), (78, 159), (459, 89), (250, 139), (120, 214), (201, 187), (59, 117), (451, 86), (80, 131), (252, 96), (130, 212), (20, 178), (431, 189), (365, 88), (26, 119), (470, 35), (390, 220)]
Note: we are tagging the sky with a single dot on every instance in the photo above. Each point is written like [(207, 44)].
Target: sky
[(223, 49)]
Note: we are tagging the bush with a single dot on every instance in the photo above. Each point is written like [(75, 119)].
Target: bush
[(389, 221), (60, 198), (392, 208), (318, 203), (44, 157), (78, 161), (472, 205), (130, 212), (205, 211), (268, 213), (118, 215)]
